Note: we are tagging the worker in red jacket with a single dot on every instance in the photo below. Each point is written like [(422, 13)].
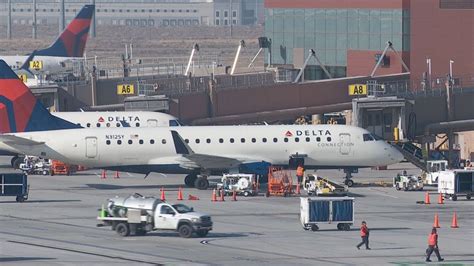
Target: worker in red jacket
[(433, 245), (364, 234)]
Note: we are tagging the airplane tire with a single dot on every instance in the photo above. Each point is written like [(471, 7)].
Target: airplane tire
[(349, 183), (190, 179), (201, 183)]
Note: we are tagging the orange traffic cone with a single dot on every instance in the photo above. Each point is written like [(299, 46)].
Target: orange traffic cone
[(436, 221), (214, 196), (117, 175), (427, 198), (191, 197), (104, 174), (163, 198), (222, 193), (180, 193), (440, 199), (298, 189), (454, 224), (234, 196)]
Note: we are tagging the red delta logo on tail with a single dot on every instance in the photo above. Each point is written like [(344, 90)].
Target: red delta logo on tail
[(20, 111)]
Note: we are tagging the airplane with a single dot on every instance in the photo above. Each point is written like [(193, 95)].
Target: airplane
[(107, 119), (70, 45), (28, 128)]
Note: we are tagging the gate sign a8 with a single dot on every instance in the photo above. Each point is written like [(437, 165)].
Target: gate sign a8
[(357, 89)]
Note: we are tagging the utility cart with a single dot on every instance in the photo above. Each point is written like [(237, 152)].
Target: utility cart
[(407, 182), (320, 186), (242, 184), (317, 210), (15, 185)]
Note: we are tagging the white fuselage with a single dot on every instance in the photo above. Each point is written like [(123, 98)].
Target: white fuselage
[(51, 64), (324, 146)]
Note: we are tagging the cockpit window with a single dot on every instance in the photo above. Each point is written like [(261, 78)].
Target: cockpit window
[(174, 123), (368, 137)]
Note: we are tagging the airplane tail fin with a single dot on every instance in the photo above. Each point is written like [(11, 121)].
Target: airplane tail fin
[(20, 111), (72, 41)]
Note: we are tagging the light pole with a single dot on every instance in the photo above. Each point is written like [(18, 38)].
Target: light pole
[(451, 62), (428, 62)]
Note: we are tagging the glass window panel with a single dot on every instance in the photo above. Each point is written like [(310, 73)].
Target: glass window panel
[(289, 37), (278, 11), (309, 21), (364, 26), (353, 25), (330, 57), (375, 42), (341, 24), (341, 58), (384, 38), (406, 26), (331, 20), (330, 41), (353, 13), (308, 43), (396, 26), (341, 41), (320, 20), (299, 20), (278, 23), (374, 22), (322, 55), (320, 42), (386, 25), (364, 41), (353, 41), (289, 24), (299, 40), (406, 13), (406, 42), (397, 41)]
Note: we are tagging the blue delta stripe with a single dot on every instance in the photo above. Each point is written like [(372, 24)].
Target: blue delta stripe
[(86, 12), (6, 72), (41, 120)]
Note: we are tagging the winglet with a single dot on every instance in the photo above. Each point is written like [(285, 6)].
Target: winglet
[(180, 145)]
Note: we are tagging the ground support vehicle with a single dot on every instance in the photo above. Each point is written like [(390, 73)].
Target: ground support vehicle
[(242, 184), (137, 215), (407, 182), (15, 185), (455, 183), (320, 186), (60, 168), (35, 166), (279, 182), (434, 167), (326, 210)]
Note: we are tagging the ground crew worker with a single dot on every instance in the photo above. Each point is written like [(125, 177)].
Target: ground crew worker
[(300, 173), (433, 246), (364, 234)]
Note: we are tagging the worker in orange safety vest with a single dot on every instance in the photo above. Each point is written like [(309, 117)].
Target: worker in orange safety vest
[(364, 234), (300, 173), (433, 245)]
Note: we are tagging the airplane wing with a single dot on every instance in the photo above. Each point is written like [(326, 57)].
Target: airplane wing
[(192, 160), (14, 140)]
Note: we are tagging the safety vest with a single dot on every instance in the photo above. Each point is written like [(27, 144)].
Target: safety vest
[(300, 171), (433, 240), (363, 230)]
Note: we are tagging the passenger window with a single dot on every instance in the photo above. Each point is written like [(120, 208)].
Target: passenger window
[(118, 124), (197, 141), (130, 141), (368, 137), (221, 140), (242, 140), (166, 210), (318, 139), (264, 140), (208, 140), (108, 124), (163, 141), (254, 140), (297, 139), (186, 140), (88, 124), (275, 140), (140, 141), (119, 142), (329, 139), (308, 139), (152, 141), (98, 125), (285, 139), (231, 140), (137, 124), (107, 142)]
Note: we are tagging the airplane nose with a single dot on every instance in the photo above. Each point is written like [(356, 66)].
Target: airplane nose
[(396, 155)]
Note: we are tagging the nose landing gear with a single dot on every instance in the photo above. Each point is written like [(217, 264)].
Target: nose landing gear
[(348, 179)]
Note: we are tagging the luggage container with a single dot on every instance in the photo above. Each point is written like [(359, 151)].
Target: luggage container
[(14, 185), (455, 183), (317, 210)]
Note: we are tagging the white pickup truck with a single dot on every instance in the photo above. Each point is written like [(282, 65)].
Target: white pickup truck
[(137, 215)]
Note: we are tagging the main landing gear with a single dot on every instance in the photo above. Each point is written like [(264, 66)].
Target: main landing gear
[(348, 180), (198, 181)]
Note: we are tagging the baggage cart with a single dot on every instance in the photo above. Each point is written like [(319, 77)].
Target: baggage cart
[(327, 210), (14, 185), (455, 183)]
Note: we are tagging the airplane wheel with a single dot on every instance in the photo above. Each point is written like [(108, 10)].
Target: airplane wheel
[(349, 183), (201, 183), (190, 179)]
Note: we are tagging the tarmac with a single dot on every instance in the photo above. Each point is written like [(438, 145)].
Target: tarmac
[(57, 225)]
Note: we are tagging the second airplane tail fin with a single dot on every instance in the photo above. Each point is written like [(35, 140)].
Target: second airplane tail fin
[(72, 41), (20, 111)]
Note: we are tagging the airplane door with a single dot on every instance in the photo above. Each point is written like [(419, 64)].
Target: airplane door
[(345, 143), (152, 123), (91, 147)]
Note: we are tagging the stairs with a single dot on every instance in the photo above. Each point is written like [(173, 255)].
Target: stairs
[(412, 153)]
